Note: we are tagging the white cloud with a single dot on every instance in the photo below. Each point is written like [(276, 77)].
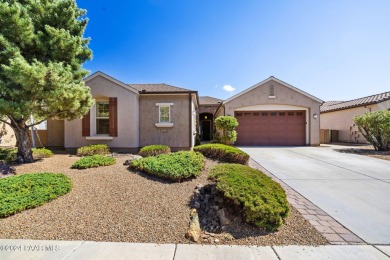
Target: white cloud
[(228, 88)]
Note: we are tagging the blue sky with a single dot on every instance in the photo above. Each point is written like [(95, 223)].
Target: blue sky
[(335, 50)]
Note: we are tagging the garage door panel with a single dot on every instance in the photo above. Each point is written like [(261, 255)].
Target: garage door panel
[(271, 128)]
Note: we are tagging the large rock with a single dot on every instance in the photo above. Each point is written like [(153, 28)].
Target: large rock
[(132, 157), (223, 220), (6, 170), (193, 232)]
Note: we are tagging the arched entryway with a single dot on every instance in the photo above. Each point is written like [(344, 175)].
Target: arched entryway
[(206, 126)]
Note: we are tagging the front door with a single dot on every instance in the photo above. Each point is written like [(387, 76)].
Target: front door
[(206, 130)]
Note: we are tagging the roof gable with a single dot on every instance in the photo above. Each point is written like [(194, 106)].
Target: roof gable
[(373, 99), (101, 74), (207, 100), (278, 81)]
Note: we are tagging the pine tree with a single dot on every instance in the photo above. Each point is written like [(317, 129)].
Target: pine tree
[(42, 50)]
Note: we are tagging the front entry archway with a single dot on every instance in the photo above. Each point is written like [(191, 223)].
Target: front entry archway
[(206, 123)]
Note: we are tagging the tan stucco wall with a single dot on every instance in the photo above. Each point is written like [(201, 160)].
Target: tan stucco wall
[(178, 136), (128, 117), (284, 96), (55, 133), (8, 139), (342, 120)]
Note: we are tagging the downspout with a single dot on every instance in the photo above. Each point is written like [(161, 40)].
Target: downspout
[(190, 119)]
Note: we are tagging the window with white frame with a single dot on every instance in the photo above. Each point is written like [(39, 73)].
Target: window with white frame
[(102, 117), (164, 115)]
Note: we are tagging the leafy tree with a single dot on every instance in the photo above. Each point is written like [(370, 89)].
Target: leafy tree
[(226, 124), (42, 50), (375, 127)]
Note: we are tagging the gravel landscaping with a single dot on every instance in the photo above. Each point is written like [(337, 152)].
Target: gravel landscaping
[(367, 150), (113, 204)]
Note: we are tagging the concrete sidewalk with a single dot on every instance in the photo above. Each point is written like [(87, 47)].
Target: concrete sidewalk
[(51, 249)]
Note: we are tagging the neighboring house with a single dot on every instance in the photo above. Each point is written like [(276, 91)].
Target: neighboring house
[(207, 108), (130, 116), (338, 115), (274, 113), (7, 136)]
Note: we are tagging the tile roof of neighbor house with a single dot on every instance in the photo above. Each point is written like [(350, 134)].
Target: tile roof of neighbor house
[(206, 100), (158, 88), (339, 105)]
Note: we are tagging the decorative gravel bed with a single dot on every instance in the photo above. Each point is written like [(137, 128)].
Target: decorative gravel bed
[(367, 150), (112, 204)]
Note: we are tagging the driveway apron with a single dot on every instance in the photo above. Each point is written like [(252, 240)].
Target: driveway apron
[(353, 189)]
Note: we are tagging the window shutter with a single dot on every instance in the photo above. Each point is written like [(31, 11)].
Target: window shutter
[(113, 123), (86, 125)]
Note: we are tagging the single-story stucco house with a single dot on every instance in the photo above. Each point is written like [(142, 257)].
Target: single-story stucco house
[(129, 116), (274, 113), (339, 115)]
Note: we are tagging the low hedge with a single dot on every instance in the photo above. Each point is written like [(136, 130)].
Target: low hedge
[(174, 166), (263, 200), (39, 153), (93, 149), (27, 191), (153, 150), (9, 155), (93, 161), (224, 153)]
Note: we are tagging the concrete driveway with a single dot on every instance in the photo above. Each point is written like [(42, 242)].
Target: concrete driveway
[(353, 189)]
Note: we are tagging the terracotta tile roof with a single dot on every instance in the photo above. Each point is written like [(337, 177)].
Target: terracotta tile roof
[(206, 100), (339, 105), (158, 88)]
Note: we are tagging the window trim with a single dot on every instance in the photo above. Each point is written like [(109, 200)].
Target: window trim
[(164, 124), (98, 117)]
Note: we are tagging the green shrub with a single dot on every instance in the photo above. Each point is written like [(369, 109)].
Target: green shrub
[(224, 153), (174, 166), (153, 150), (28, 191), (8, 154), (39, 153), (375, 127), (93, 161), (227, 126), (263, 200), (93, 149)]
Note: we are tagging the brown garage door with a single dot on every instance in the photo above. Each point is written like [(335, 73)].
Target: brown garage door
[(271, 128)]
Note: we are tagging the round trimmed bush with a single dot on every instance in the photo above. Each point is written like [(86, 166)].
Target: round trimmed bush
[(39, 153), (153, 150), (263, 200), (27, 191), (174, 166), (93, 161), (223, 153), (93, 149)]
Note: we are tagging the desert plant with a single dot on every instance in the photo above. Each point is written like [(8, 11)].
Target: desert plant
[(93, 161), (174, 166), (375, 127), (263, 201), (27, 191), (226, 124), (39, 153), (224, 153), (8, 155), (93, 149), (153, 150)]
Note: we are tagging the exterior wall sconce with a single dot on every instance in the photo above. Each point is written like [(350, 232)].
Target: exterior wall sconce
[(205, 117), (315, 116)]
